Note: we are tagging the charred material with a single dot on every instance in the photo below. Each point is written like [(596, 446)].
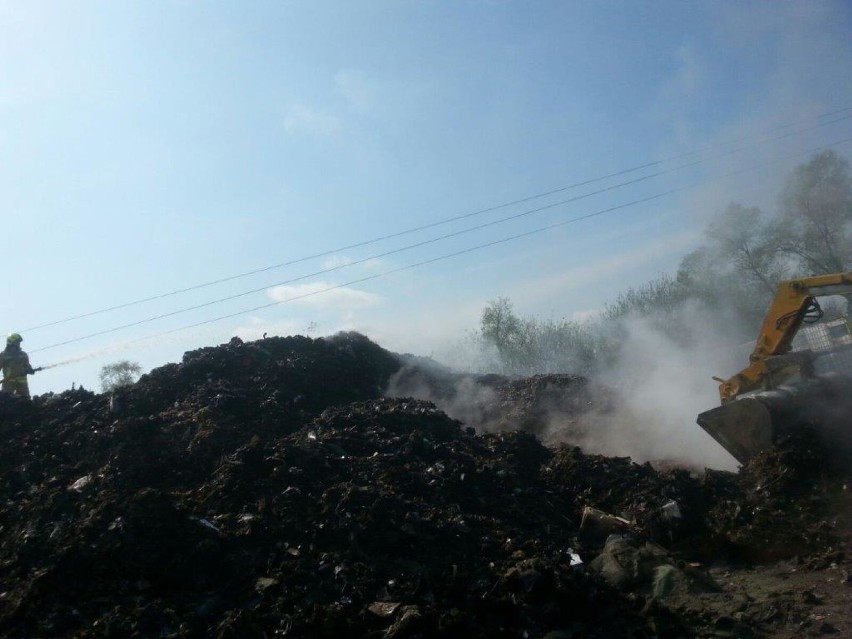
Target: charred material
[(268, 489)]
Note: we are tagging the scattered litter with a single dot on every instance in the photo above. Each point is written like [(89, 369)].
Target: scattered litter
[(671, 510), (80, 484), (207, 524), (265, 583), (383, 608)]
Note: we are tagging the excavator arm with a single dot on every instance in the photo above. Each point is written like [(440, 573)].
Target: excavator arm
[(794, 303), (760, 401)]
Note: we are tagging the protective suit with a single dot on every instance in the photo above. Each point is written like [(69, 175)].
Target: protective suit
[(15, 364)]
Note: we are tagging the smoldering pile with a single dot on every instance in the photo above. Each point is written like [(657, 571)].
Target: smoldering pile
[(497, 403), (267, 489)]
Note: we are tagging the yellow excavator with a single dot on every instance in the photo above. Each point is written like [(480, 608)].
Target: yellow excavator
[(785, 386)]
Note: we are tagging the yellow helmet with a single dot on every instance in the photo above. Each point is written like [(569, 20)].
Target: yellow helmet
[(14, 338)]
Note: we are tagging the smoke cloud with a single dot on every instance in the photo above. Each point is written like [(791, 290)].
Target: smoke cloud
[(644, 406), (462, 397), (660, 385)]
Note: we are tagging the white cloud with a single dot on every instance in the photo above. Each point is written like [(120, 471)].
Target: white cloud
[(302, 119), (322, 295)]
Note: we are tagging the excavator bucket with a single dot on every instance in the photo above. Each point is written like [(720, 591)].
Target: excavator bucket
[(743, 428), (747, 426)]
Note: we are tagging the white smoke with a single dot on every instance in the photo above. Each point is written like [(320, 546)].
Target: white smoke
[(661, 386), (460, 397), (644, 406)]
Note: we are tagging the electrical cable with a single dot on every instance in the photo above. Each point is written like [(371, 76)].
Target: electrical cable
[(424, 262), (471, 229), (456, 218), (408, 247)]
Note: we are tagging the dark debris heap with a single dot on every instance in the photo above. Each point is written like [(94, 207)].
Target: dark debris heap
[(267, 489)]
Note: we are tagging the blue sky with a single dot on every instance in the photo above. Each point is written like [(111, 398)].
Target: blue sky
[(147, 147)]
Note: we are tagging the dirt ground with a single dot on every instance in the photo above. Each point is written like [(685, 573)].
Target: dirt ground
[(278, 489), (819, 597)]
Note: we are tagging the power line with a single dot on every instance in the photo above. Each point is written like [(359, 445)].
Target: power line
[(422, 263), (387, 253), (461, 252), (456, 218), (408, 247)]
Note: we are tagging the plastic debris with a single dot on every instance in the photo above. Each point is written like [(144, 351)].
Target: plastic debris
[(671, 510), (265, 583), (207, 524), (383, 608), (81, 484), (576, 560)]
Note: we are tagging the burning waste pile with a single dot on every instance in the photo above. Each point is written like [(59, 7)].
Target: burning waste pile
[(267, 489), (497, 403)]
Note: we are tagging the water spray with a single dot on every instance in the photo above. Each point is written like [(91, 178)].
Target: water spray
[(49, 366), (81, 358), (65, 362)]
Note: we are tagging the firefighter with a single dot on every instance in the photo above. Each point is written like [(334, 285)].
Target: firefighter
[(15, 364)]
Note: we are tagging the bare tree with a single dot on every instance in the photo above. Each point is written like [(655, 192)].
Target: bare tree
[(119, 374), (744, 238), (815, 221), (500, 326), (530, 345)]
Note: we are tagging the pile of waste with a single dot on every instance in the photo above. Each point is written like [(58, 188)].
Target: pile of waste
[(497, 403), (775, 507), (269, 489)]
